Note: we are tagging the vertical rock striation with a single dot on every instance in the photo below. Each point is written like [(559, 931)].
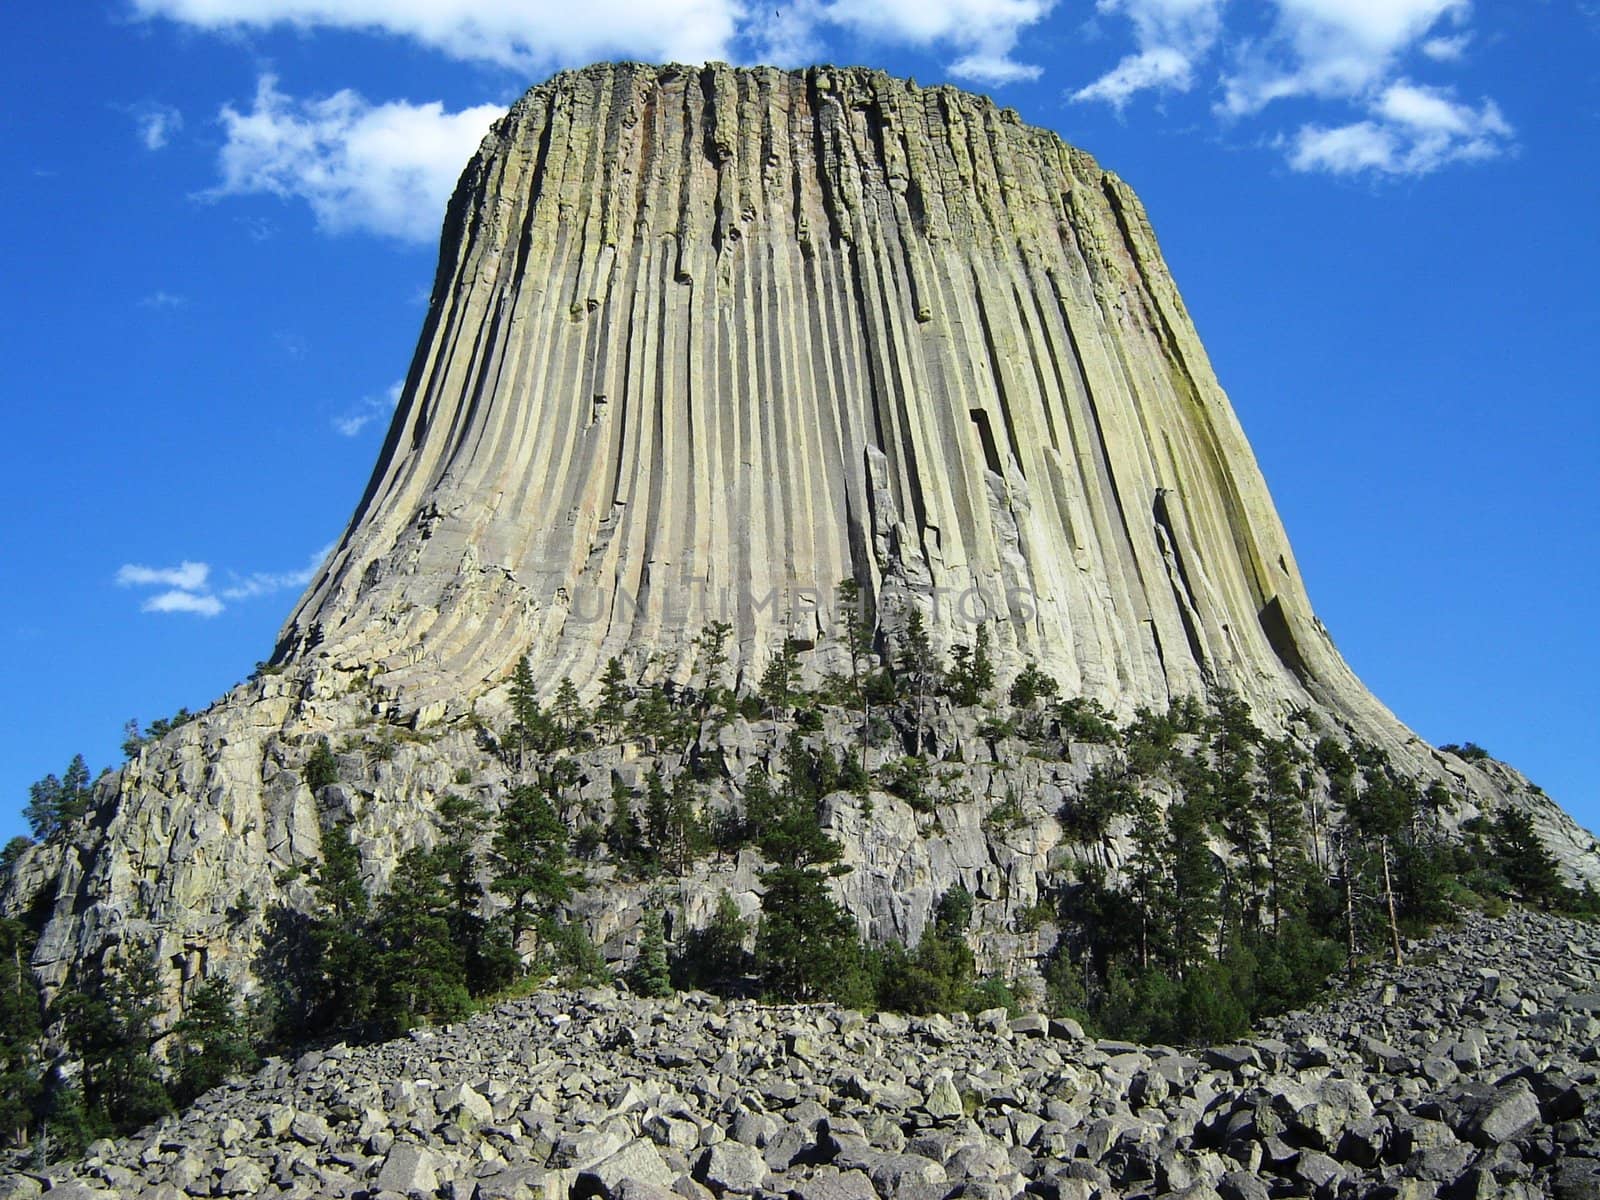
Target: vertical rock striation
[(704, 342)]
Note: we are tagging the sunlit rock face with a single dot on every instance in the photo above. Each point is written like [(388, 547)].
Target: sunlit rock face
[(705, 342)]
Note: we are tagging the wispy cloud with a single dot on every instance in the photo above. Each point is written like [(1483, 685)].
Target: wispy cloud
[(1351, 55), (265, 583), (527, 35), (370, 409), (162, 299), (199, 604), (1412, 131), (983, 34), (378, 168), (187, 587), (1171, 36), (187, 575), (156, 123)]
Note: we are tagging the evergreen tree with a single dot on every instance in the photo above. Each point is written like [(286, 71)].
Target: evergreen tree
[(713, 646), (213, 1041), (1195, 882), (780, 681), (110, 1027), (321, 768), (807, 946), (651, 974), (421, 969), (917, 667), (1032, 686), (343, 983), (858, 644), (568, 711), (21, 1058), (612, 708), (972, 675), (714, 957), (624, 835), (531, 729), (487, 957), (528, 857), (55, 805), (1522, 858), (13, 851)]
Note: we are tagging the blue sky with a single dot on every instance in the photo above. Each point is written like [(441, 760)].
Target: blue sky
[(217, 226)]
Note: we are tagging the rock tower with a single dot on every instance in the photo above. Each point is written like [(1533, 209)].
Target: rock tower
[(703, 343)]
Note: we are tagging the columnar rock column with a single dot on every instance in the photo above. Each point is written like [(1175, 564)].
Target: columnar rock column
[(702, 343)]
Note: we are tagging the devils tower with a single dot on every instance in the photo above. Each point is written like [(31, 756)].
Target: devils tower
[(702, 343)]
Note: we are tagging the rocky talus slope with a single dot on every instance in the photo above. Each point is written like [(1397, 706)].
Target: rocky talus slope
[(1473, 1072)]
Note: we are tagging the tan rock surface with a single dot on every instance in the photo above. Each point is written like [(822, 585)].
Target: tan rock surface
[(705, 342)]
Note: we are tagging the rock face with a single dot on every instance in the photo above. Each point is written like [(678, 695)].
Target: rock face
[(1486, 1084), (703, 343)]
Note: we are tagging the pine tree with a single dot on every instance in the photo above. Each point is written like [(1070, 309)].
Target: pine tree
[(21, 1058), (917, 666), (651, 974), (714, 957), (528, 857), (1523, 859), (858, 644), (421, 969), (613, 696), (780, 680), (321, 768), (1032, 686), (568, 711), (110, 1028), (530, 728), (807, 946), (56, 805), (972, 676), (713, 646), (213, 1041), (487, 959), (343, 984)]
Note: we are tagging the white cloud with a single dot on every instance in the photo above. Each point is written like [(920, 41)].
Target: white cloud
[(188, 585), (1447, 49), (1347, 54), (381, 168), (1413, 130), (200, 604), (264, 583), (1331, 48), (187, 575), (983, 32), (526, 35), (1172, 36), (162, 299), (534, 35), (156, 124), (370, 409)]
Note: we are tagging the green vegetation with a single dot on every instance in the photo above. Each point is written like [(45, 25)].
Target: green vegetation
[(56, 805), (134, 739), (1256, 868)]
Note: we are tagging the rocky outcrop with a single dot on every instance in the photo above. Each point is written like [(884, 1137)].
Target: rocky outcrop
[(1474, 1074), (703, 343)]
